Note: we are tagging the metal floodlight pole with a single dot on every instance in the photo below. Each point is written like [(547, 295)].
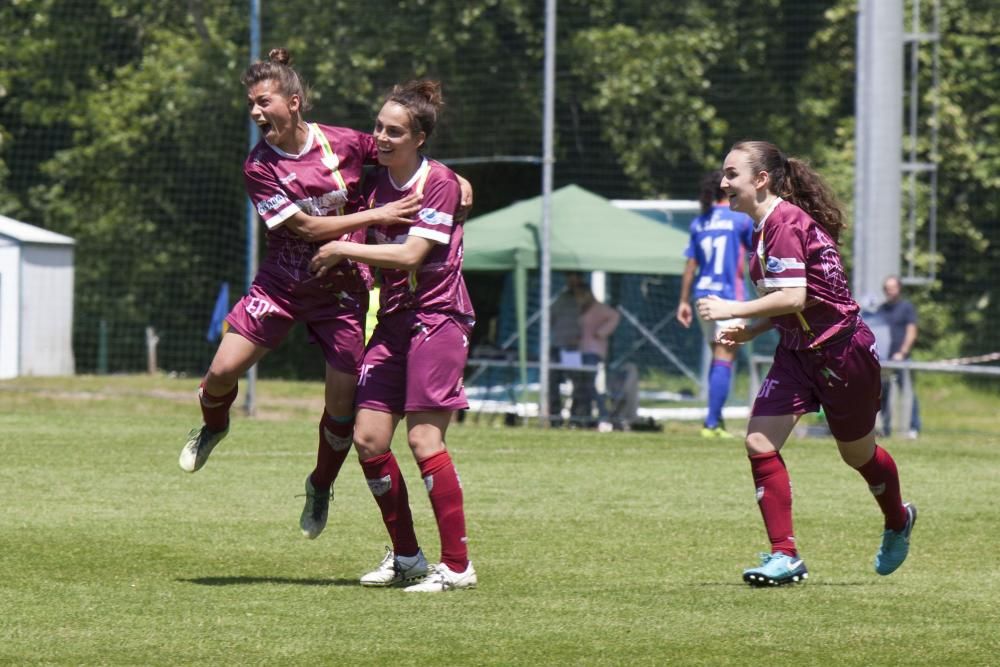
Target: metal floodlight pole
[(548, 159), (879, 141), (250, 406)]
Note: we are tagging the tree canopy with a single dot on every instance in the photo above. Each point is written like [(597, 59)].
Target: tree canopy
[(123, 124)]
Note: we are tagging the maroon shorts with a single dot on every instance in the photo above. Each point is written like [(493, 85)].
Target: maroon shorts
[(415, 362), (335, 321), (844, 378)]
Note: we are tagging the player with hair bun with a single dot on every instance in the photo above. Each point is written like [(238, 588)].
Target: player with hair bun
[(305, 181), (826, 356), (414, 362)]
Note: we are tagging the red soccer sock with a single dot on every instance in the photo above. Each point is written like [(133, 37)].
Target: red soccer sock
[(774, 497), (387, 485), (215, 409), (883, 481), (335, 438), (445, 491)]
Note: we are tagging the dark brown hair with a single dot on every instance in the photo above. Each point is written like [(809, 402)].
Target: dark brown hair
[(711, 190), (797, 182), (422, 100), (277, 67)]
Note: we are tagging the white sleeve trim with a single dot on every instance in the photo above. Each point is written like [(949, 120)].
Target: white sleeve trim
[(431, 234), (282, 215), (785, 282)]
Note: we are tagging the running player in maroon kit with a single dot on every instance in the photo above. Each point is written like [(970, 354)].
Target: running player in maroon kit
[(304, 180), (826, 355), (414, 362)]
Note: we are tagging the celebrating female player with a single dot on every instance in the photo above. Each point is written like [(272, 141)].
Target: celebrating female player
[(826, 356), (304, 180), (414, 362)]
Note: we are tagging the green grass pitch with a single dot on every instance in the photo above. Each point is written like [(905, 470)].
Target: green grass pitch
[(591, 549)]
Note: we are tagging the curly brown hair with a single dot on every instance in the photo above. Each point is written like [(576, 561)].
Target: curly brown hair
[(795, 181)]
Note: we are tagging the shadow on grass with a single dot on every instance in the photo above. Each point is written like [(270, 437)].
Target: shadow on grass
[(253, 581)]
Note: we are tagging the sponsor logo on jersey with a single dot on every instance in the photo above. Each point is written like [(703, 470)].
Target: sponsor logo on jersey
[(323, 204), (288, 179), (271, 203), (258, 308), (430, 216)]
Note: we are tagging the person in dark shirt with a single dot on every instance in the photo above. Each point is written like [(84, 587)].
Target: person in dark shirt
[(901, 318)]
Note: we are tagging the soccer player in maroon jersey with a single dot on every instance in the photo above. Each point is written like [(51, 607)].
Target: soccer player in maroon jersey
[(304, 180), (826, 355), (414, 362)]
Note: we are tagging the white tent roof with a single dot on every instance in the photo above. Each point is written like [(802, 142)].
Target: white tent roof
[(25, 233)]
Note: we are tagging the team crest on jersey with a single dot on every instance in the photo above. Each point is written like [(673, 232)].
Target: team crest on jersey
[(331, 161)]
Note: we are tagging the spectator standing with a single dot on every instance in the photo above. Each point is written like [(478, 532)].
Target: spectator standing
[(901, 318), (597, 322), (564, 316)]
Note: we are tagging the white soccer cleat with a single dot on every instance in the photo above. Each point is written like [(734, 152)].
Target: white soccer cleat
[(442, 578), (200, 444), (396, 571)]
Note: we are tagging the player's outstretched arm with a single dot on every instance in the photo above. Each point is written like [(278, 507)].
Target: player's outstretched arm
[(314, 228), (406, 256)]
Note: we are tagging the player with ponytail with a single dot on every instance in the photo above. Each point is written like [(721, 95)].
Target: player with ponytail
[(826, 356)]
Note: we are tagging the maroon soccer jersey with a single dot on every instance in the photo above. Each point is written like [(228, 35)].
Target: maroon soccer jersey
[(437, 286), (793, 250), (323, 179)]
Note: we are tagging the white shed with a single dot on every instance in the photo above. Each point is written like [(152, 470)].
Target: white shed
[(36, 301)]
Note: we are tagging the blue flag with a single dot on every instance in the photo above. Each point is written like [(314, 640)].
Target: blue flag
[(218, 324)]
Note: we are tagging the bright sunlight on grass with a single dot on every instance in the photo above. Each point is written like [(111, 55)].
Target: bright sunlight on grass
[(595, 549)]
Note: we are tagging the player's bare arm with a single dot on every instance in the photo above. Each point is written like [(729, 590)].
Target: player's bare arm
[(684, 311), (404, 256), (314, 228), (782, 301), (734, 336), (466, 201)]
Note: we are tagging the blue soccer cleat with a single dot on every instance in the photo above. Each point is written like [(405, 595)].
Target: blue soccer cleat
[(776, 569), (895, 544)]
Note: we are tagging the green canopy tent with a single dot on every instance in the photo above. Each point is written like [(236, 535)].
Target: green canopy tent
[(588, 233)]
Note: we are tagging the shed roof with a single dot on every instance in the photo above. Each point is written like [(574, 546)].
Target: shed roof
[(25, 233)]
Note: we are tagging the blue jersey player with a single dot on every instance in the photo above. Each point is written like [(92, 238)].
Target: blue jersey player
[(720, 239)]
